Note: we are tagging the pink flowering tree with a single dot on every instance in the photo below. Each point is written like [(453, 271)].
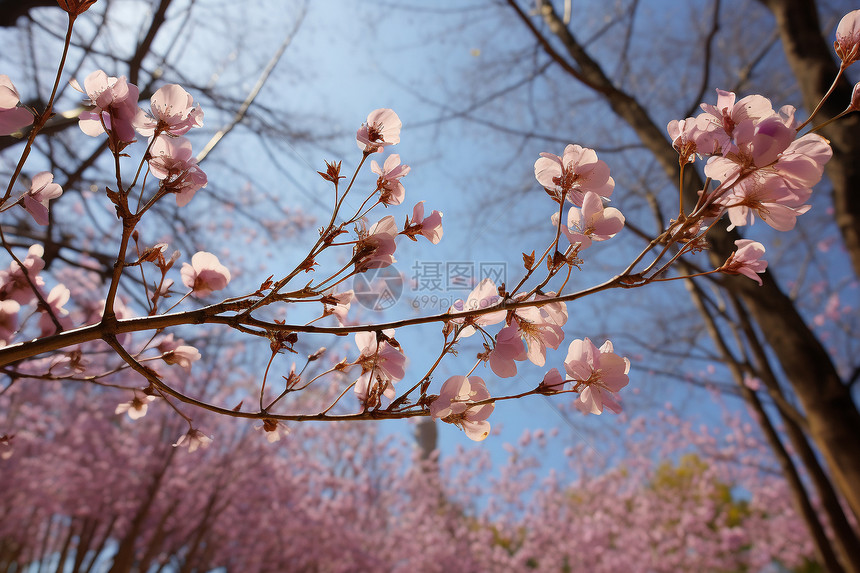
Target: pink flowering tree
[(129, 501), (142, 324), (794, 338)]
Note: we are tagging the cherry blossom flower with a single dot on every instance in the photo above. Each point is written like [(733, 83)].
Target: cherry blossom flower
[(693, 136), (12, 117), (13, 282), (381, 366), (575, 173), (801, 165), (274, 429), (430, 228), (592, 223), (597, 375), (553, 312), (115, 105), (746, 260), (172, 162), (42, 189), (485, 295), (553, 380), (768, 196), (381, 129), (338, 305), (727, 114), (375, 247), (205, 274), (193, 439), (9, 310), (757, 145), (58, 297), (181, 354), (391, 191), (855, 98), (455, 405), (509, 347), (847, 44), (137, 407), (538, 331), (173, 112)]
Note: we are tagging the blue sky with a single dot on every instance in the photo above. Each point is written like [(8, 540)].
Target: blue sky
[(348, 58)]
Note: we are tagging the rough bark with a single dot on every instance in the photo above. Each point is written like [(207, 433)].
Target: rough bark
[(834, 421)]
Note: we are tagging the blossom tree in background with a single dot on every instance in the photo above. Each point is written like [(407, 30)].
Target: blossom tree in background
[(130, 501), (569, 64), (144, 326)]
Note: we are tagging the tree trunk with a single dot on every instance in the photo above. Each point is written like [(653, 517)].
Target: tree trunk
[(834, 422), (813, 62), (823, 548)]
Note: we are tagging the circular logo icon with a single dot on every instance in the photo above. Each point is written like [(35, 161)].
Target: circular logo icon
[(378, 289)]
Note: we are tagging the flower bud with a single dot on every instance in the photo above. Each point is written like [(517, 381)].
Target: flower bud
[(847, 44), (75, 7)]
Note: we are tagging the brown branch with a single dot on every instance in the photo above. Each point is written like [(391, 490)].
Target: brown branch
[(708, 51), (252, 95), (846, 539)]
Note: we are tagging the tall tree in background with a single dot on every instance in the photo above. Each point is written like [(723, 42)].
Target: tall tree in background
[(572, 61), (193, 43)]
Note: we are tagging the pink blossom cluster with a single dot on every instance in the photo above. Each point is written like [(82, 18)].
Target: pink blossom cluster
[(675, 496), (375, 245), (172, 114), (579, 177), (42, 189), (456, 404), (597, 375), (382, 364), (23, 290), (762, 168), (114, 110), (19, 285)]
